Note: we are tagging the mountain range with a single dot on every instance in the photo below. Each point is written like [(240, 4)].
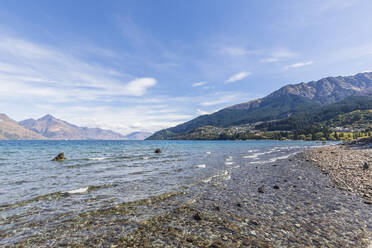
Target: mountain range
[(283, 103), (49, 127)]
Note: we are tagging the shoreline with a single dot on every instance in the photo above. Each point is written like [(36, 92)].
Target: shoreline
[(349, 165), (288, 202)]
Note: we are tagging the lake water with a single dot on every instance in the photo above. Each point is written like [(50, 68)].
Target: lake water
[(100, 174)]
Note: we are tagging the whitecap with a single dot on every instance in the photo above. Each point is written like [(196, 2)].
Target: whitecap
[(229, 163), (209, 153), (200, 166)]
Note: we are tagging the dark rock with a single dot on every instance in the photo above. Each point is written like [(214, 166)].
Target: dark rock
[(365, 166), (197, 217), (239, 205), (261, 189), (217, 208), (189, 239), (59, 157), (368, 202), (274, 165), (157, 150), (254, 222), (275, 187), (217, 244)]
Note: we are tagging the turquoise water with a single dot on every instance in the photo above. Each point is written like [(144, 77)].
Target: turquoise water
[(99, 174)]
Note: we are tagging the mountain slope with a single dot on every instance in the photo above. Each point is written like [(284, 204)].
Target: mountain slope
[(137, 136), (352, 111), (288, 100), (353, 114), (10, 129), (54, 128)]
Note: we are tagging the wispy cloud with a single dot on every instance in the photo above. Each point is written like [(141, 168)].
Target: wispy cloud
[(219, 100), (238, 76), (238, 51), (37, 70), (198, 84), (279, 55), (300, 64)]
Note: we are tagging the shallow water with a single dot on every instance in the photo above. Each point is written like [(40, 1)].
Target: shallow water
[(101, 174)]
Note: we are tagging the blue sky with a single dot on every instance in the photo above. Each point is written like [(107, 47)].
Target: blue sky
[(148, 65)]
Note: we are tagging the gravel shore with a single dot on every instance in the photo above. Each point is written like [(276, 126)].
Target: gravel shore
[(348, 165), (286, 203)]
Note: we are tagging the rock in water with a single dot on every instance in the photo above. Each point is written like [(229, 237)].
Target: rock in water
[(59, 157), (157, 150)]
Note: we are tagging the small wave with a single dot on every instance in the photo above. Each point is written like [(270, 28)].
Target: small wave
[(55, 195), (256, 155), (208, 153), (229, 163), (100, 158), (273, 159), (251, 156), (229, 158), (225, 175), (200, 166), (78, 191)]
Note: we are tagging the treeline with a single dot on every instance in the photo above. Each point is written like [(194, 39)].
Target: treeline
[(352, 112), (323, 135)]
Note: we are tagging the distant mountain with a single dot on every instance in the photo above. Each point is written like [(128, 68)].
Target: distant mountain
[(138, 136), (11, 130), (53, 128), (288, 100)]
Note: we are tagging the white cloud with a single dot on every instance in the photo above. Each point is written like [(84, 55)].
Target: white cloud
[(300, 64), (139, 86), (202, 112), (238, 76), (198, 84)]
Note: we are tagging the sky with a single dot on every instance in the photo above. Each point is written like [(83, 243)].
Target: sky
[(146, 65)]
